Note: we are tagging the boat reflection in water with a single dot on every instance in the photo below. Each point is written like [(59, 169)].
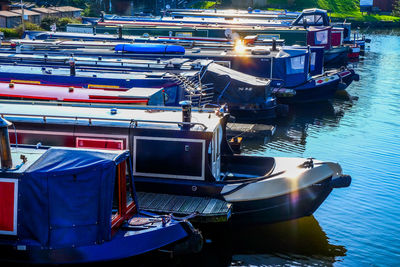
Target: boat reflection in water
[(291, 134), (296, 242)]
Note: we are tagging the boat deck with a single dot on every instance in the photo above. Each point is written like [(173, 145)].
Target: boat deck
[(207, 209)]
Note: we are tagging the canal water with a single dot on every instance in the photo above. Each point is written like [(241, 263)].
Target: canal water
[(358, 225)]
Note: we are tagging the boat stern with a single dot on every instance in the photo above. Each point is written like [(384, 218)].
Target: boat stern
[(295, 188)]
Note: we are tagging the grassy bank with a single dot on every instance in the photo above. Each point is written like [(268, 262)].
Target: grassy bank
[(339, 9), (349, 9)]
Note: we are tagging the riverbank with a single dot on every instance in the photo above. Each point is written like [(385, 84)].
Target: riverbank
[(339, 10)]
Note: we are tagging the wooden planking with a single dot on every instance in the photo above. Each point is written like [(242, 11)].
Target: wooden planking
[(184, 205)]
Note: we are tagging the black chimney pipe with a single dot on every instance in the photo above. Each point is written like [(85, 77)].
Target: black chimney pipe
[(186, 114), (5, 150)]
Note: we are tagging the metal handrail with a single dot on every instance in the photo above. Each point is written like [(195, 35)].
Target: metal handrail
[(90, 119)]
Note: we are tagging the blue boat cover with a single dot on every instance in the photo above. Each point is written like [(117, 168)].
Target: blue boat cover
[(291, 66), (66, 197), (150, 48)]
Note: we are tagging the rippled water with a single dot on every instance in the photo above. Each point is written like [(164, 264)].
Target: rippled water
[(359, 225)]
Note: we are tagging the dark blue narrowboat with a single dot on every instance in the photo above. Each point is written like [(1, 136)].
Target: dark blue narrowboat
[(66, 205), (186, 154), (295, 72)]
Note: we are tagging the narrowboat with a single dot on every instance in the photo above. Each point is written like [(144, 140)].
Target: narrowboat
[(234, 13), (186, 154), (202, 82), (291, 35), (297, 74), (192, 21), (67, 205)]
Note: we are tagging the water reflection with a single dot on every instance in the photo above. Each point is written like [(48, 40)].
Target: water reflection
[(301, 240), (291, 134)]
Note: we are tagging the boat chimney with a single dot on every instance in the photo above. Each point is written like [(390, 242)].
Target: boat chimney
[(273, 44), (186, 114), (72, 68), (119, 31), (5, 150)]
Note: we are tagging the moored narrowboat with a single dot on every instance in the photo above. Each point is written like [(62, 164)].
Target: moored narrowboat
[(66, 205), (187, 154), (294, 71)]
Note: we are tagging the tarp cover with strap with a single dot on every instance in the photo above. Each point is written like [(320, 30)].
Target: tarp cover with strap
[(66, 197)]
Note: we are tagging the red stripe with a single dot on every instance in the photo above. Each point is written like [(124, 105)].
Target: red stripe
[(194, 39), (115, 97), (7, 206), (107, 101), (29, 97)]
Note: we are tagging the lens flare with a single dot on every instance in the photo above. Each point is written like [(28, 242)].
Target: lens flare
[(240, 48)]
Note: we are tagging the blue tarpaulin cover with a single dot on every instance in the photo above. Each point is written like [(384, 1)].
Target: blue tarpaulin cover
[(150, 48), (66, 197), (286, 65)]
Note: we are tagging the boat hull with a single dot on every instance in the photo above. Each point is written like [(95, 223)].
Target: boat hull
[(282, 208), (125, 244), (320, 89), (336, 57)]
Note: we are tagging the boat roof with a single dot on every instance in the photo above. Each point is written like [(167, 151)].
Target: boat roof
[(186, 26), (154, 118), (62, 93), (253, 21), (120, 75), (106, 48)]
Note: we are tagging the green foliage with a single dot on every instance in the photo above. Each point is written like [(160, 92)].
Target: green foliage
[(205, 4), (28, 26), (396, 8), (92, 9), (10, 33), (17, 31), (60, 22)]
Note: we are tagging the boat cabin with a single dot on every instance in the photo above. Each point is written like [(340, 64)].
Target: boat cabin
[(161, 144), (312, 17)]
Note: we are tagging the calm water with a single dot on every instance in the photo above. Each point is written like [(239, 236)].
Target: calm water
[(359, 225)]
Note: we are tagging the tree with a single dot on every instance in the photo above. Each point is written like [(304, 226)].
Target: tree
[(396, 8)]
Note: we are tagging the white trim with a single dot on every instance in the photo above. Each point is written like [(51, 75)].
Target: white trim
[(159, 175), (15, 182)]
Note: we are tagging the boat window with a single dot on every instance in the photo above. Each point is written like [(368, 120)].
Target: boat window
[(115, 206), (312, 20), (295, 65), (215, 150), (129, 188), (321, 37), (312, 63)]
